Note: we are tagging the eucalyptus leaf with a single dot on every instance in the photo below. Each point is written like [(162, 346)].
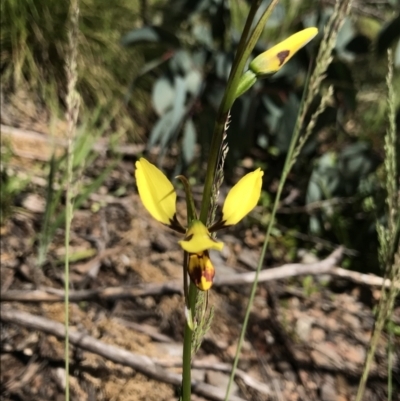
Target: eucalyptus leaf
[(165, 129), (287, 123), (388, 35), (223, 64), (163, 95), (274, 114), (151, 65), (189, 141), (181, 63), (324, 180), (315, 225), (193, 81), (345, 35), (161, 127), (203, 35), (314, 193), (355, 161), (149, 34)]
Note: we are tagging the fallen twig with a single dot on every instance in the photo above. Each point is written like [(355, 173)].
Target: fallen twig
[(285, 271), (46, 144), (226, 368), (109, 293), (325, 266), (140, 363)]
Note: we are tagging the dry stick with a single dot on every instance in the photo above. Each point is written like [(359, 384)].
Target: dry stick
[(325, 266), (140, 363), (54, 295), (262, 388), (285, 271), (45, 143)]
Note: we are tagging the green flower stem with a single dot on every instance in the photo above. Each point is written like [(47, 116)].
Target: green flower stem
[(191, 210), (246, 46), (212, 165), (243, 53), (68, 219), (187, 347)]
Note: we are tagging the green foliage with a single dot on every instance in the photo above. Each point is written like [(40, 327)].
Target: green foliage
[(178, 56), (11, 186), (309, 286), (84, 156), (340, 160), (388, 230), (34, 45)]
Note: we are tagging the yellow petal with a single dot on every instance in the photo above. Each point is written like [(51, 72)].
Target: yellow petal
[(242, 198), (273, 59), (201, 270), (198, 239), (156, 191)]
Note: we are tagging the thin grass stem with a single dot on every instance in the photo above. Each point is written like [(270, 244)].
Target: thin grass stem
[(389, 247), (312, 87), (72, 102)]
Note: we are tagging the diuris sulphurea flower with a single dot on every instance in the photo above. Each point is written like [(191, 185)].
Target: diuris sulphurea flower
[(201, 270), (157, 194), (159, 198), (274, 58)]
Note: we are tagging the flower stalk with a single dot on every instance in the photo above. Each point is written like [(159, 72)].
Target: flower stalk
[(159, 197), (246, 45)]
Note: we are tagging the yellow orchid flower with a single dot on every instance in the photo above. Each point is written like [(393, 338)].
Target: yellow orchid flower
[(274, 58), (198, 239), (277, 56), (242, 198), (159, 198), (201, 270), (156, 192)]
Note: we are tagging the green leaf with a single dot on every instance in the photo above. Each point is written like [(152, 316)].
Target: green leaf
[(287, 123), (203, 35), (151, 65), (160, 127), (189, 141), (178, 110), (356, 160), (166, 127), (193, 81), (345, 35), (388, 34), (163, 95), (274, 115), (181, 63), (149, 34)]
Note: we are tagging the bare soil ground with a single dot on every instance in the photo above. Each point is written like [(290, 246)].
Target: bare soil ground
[(303, 343)]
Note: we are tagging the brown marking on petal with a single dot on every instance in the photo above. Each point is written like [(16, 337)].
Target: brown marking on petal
[(219, 225), (209, 274), (195, 275), (175, 225), (282, 56), (201, 271), (188, 237)]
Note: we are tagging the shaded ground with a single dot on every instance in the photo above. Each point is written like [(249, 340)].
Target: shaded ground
[(304, 342)]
